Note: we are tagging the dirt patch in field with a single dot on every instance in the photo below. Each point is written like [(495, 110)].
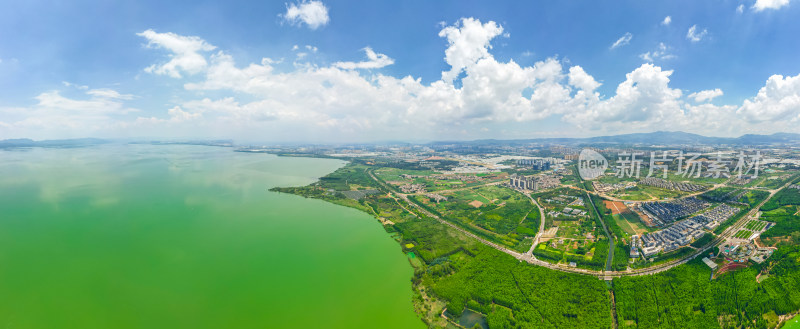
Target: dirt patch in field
[(551, 232), (616, 207), (476, 204), (729, 268)]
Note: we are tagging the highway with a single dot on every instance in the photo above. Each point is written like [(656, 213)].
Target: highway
[(604, 275)]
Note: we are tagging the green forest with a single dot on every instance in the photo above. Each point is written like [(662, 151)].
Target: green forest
[(507, 217), (457, 272), (517, 295), (686, 297)]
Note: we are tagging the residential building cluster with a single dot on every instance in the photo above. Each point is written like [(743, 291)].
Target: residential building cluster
[(795, 186), (578, 202), (561, 172), (436, 197), (672, 238), (740, 252), (461, 177), (570, 212), (670, 185), (636, 244), (412, 188), (563, 149), (685, 231), (663, 213), (533, 183), (562, 199), (521, 182), (536, 164), (605, 188), (718, 215), (472, 169), (548, 181)]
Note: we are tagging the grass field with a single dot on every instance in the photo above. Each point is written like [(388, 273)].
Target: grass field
[(393, 174), (432, 184), (625, 225), (775, 179), (611, 179), (471, 194), (644, 192), (501, 214), (707, 181), (631, 224), (755, 225), (793, 323), (743, 234)]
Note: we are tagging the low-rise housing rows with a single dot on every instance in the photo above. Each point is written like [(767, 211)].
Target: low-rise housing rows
[(663, 213), (670, 185), (685, 231), (605, 188)]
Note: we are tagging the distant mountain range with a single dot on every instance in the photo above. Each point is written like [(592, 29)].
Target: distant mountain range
[(24, 142), (654, 138)]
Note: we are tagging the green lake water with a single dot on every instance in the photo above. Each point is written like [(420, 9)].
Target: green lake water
[(140, 236)]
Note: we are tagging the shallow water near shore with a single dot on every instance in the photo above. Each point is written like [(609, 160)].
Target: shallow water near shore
[(144, 236)]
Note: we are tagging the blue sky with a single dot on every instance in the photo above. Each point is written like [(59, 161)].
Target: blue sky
[(340, 71)]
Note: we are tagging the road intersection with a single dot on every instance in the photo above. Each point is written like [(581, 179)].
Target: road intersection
[(604, 275)]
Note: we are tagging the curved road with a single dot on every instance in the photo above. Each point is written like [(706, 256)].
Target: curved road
[(606, 275), (541, 225)]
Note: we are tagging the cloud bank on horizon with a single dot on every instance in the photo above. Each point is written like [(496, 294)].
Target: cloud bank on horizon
[(478, 95)]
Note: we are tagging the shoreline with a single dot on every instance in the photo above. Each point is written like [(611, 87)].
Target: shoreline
[(424, 302)]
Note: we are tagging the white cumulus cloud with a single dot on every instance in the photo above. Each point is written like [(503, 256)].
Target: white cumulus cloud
[(270, 100), (341, 101), (312, 13), (108, 94), (623, 40), (769, 4), (375, 61), (468, 42), (694, 35), (706, 95), (666, 20), (185, 55), (179, 115), (643, 98), (660, 53), (579, 78), (58, 116), (778, 100)]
